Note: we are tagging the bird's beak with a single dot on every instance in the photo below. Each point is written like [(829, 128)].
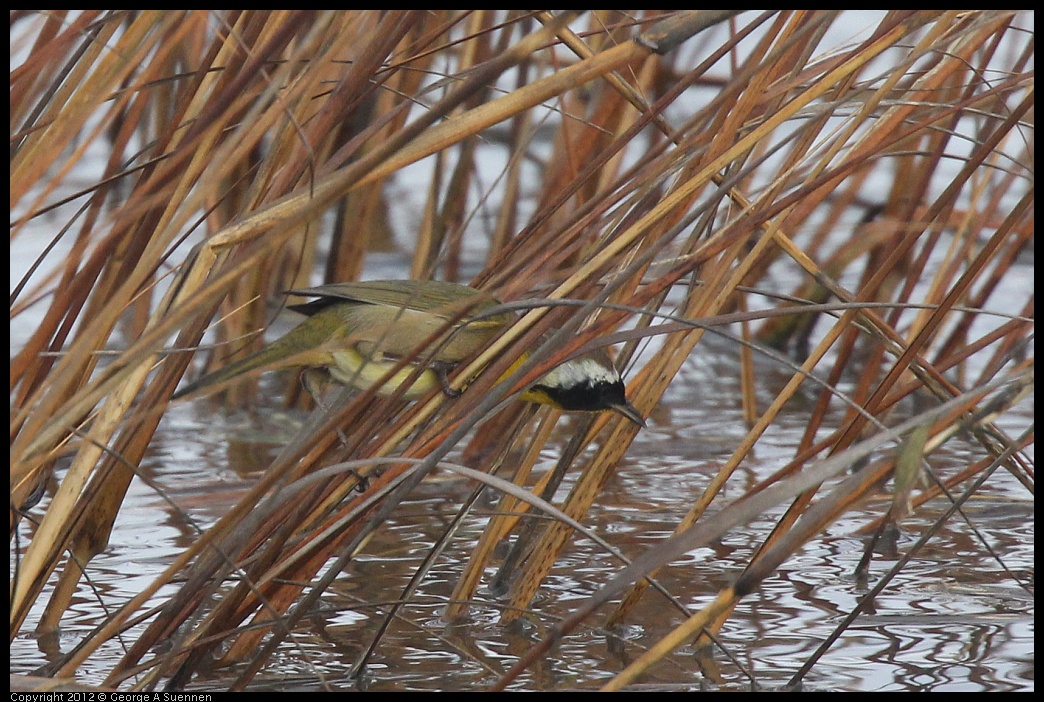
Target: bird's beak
[(628, 410)]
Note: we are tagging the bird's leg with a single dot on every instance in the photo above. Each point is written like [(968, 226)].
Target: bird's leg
[(442, 370), (312, 380)]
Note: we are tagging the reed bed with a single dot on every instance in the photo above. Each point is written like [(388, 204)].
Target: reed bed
[(653, 170)]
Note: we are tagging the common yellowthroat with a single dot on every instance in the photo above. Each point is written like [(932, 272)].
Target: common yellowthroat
[(360, 331)]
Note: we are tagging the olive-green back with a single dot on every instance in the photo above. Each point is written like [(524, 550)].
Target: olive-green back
[(395, 316)]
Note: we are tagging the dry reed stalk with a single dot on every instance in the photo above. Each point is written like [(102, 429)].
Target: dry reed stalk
[(236, 132)]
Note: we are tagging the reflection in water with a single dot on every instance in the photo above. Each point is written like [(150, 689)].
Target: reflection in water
[(952, 620)]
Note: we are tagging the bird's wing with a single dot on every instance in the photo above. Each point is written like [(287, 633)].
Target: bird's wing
[(434, 297)]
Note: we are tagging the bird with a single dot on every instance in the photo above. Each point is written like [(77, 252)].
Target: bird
[(358, 332)]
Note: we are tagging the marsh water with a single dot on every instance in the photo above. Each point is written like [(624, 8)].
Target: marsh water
[(955, 619), (958, 617)]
